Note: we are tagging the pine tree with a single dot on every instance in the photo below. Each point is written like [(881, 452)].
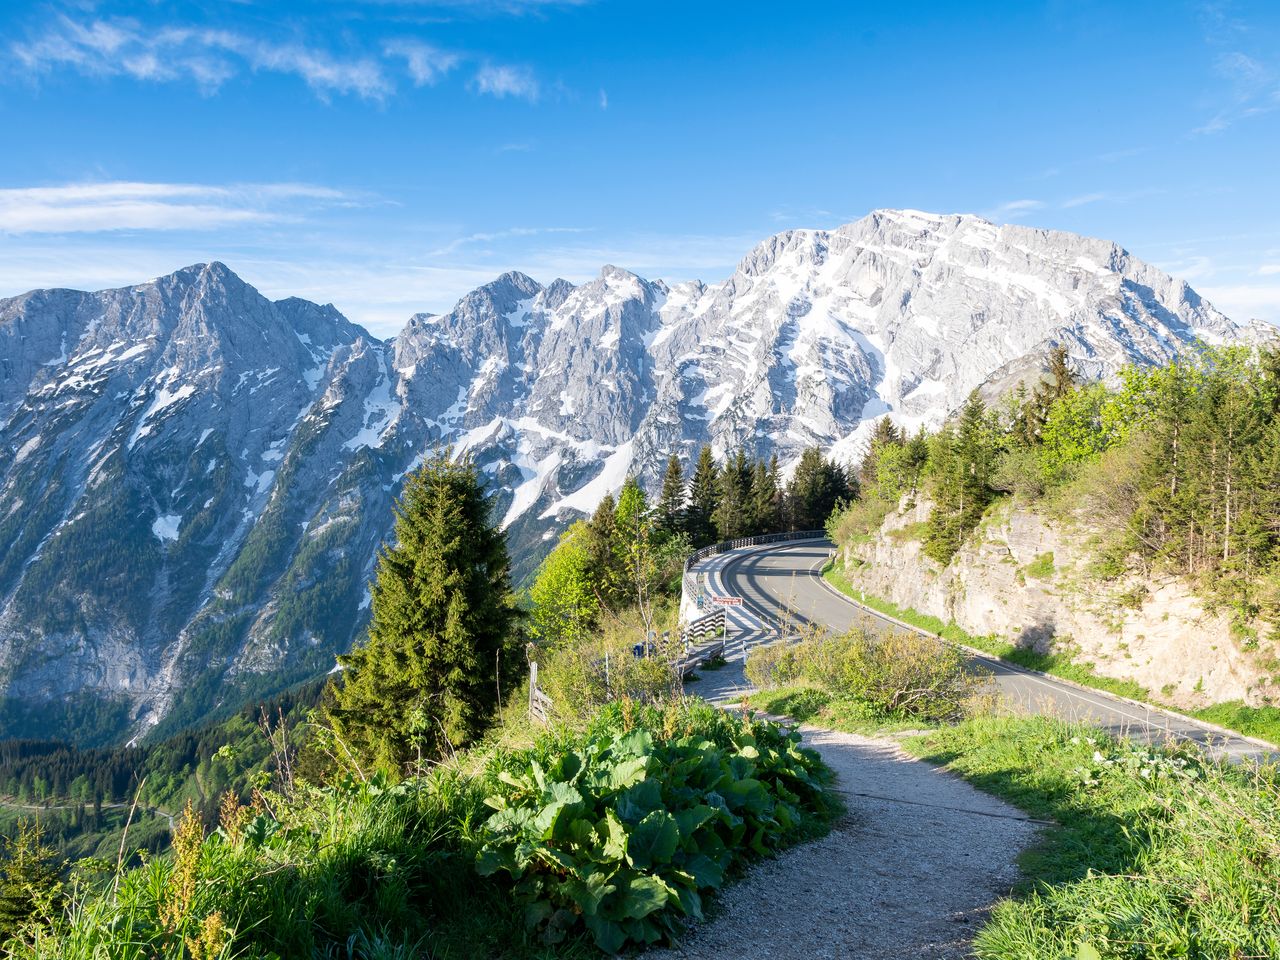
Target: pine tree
[(444, 632), (732, 515), (764, 496), (962, 460), (704, 497), (604, 569), (673, 499), (30, 885), (816, 488)]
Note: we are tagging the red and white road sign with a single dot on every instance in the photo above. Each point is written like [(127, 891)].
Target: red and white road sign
[(727, 601)]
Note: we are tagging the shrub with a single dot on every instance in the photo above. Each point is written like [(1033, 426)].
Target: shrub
[(624, 831), (582, 678), (900, 673)]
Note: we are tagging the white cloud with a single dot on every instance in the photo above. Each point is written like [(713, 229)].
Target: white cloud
[(1269, 270), (209, 57), (126, 205), (604, 99), (1080, 201), (426, 63), (1246, 301), (474, 239), (1013, 209), (1253, 90), (507, 81)]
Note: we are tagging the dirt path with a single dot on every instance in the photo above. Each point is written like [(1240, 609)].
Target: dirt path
[(911, 871)]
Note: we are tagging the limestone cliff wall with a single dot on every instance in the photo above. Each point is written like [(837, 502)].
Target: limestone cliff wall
[(1025, 578)]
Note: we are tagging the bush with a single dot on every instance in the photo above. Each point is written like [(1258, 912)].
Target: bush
[(582, 678), (624, 831), (902, 674), (1019, 472), (857, 522)]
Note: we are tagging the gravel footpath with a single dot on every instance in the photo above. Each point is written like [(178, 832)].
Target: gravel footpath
[(911, 875)]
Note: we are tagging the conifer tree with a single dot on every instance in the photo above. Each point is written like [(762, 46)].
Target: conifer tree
[(673, 499), (816, 487), (30, 884), (732, 515), (764, 496), (962, 460), (444, 631), (605, 570), (704, 497)]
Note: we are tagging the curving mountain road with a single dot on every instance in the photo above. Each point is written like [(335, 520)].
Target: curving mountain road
[(781, 584)]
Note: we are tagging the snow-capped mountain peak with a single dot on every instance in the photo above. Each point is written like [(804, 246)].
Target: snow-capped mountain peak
[(200, 477)]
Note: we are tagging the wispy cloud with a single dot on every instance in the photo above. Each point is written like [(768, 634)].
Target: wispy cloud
[(1083, 199), (426, 63), (604, 99), (507, 81), (127, 205), (210, 58), (474, 239), (1013, 209), (1246, 63)]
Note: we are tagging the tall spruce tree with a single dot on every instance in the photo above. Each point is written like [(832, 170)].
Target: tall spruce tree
[(816, 487), (672, 502), (764, 496), (962, 459), (704, 497), (444, 632), (733, 512)]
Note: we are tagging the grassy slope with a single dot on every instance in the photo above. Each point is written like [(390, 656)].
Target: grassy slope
[(1262, 722), (1155, 853)]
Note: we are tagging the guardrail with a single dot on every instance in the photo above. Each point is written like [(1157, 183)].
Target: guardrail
[(726, 545), (689, 582)]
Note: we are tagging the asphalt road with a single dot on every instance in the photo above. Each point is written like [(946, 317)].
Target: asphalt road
[(782, 584)]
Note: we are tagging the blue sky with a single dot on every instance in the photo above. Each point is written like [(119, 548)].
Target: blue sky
[(389, 155)]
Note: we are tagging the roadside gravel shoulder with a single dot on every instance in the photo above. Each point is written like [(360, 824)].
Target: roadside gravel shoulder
[(910, 871)]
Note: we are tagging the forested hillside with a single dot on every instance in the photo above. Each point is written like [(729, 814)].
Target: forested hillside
[(1178, 468)]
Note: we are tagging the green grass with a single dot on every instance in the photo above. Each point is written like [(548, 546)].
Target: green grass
[(1155, 853), (1261, 722), (811, 705), (1041, 568), (1057, 664), (379, 869)]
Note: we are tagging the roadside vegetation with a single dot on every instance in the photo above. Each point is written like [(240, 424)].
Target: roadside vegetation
[(416, 810), (1154, 853), (1150, 853), (1172, 472), (1059, 664)]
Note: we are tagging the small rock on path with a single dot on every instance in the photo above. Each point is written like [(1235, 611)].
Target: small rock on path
[(909, 876)]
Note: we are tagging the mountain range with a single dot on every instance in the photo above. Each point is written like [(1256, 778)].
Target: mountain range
[(198, 478)]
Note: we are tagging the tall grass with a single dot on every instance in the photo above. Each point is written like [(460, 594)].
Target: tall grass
[(1158, 853), (357, 869)]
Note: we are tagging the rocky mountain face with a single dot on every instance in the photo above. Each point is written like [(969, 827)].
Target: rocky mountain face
[(1028, 579), (196, 479)]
